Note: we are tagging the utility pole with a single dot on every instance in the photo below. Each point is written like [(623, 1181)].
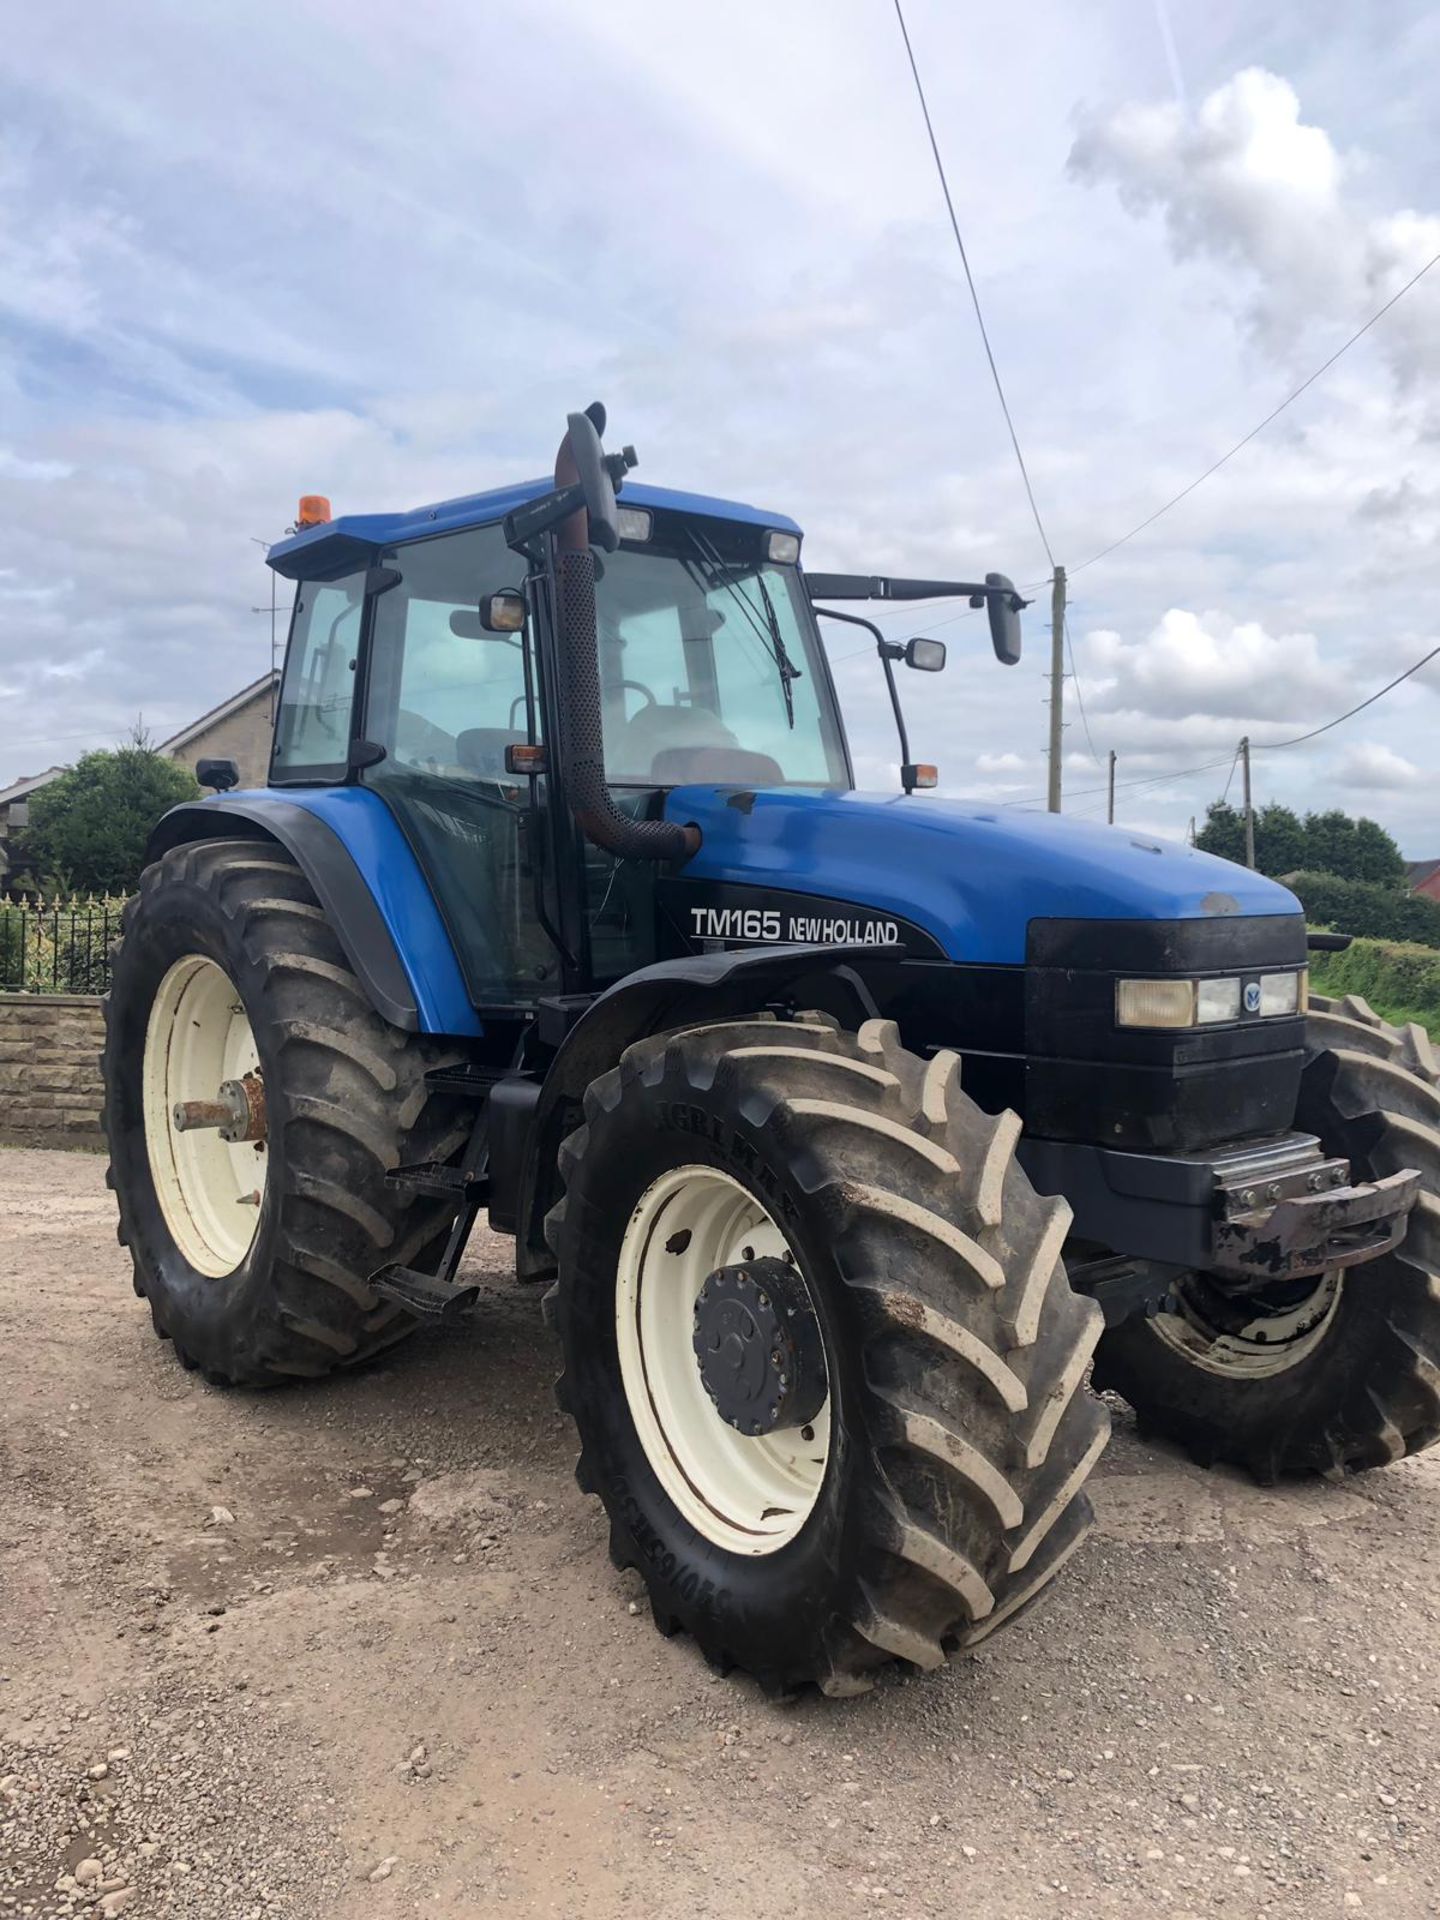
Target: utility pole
[(1110, 815), (1249, 808), (1057, 683)]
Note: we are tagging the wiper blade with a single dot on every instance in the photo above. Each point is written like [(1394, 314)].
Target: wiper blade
[(770, 634), (788, 669)]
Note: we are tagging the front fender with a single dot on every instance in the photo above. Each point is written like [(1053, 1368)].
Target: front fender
[(348, 845), (698, 988)]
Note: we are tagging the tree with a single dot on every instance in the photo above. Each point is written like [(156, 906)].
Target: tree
[(1355, 849), (1279, 839), (1223, 832), (1329, 842), (1380, 859), (88, 828), (1279, 836)]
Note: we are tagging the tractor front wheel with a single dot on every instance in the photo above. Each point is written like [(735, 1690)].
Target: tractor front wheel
[(826, 1366), (254, 1103), (1329, 1374)]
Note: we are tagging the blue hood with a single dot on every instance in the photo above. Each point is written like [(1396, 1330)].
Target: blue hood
[(974, 876)]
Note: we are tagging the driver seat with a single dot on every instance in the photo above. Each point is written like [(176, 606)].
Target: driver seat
[(481, 750), (661, 732)]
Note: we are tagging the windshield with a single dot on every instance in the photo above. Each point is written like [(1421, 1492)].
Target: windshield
[(710, 671)]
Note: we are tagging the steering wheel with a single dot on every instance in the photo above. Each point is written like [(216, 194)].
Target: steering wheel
[(639, 686)]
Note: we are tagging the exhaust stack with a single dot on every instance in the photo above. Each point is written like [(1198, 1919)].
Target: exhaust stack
[(580, 462)]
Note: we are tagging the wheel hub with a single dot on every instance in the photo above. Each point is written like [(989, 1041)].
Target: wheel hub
[(237, 1113), (758, 1345)]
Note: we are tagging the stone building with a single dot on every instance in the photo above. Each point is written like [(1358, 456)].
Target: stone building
[(238, 729)]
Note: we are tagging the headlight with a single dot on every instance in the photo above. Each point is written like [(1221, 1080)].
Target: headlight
[(1209, 1003), (1217, 1000), (1155, 1003), (783, 548), (1282, 993)]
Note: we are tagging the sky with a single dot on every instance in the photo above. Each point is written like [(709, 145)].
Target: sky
[(252, 251)]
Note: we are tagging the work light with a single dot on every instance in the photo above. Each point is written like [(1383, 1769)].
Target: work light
[(634, 523)]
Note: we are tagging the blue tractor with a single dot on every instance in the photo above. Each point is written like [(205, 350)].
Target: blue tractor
[(848, 1131)]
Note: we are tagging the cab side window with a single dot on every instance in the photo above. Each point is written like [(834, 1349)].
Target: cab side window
[(312, 727), (446, 697)]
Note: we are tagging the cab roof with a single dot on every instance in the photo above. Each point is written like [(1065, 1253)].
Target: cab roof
[(356, 539)]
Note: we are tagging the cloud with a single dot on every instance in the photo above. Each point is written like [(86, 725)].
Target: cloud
[(1246, 181), (1211, 667), (1373, 765), (761, 284)]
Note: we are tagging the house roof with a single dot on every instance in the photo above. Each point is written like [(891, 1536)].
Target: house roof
[(27, 783), (255, 691), (1417, 872)]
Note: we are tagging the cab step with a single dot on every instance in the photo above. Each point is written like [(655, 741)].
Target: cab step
[(425, 1294), (439, 1181), (466, 1077)]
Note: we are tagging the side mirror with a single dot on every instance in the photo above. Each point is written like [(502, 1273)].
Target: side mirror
[(926, 656), (498, 613), (1003, 604), (502, 612), (219, 775)]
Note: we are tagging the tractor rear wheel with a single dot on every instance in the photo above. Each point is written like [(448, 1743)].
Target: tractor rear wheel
[(1326, 1375), (819, 1343), (255, 1252)]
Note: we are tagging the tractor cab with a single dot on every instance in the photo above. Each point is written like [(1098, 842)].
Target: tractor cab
[(710, 670), (427, 663)]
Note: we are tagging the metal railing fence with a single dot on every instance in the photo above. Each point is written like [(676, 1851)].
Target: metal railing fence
[(60, 947)]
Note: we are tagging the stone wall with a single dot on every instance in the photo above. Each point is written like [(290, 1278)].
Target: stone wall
[(50, 1069)]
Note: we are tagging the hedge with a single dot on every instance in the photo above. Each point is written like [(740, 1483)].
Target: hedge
[(1366, 908), (1401, 982)]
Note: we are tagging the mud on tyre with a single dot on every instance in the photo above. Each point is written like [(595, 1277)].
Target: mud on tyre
[(947, 1465), (226, 951)]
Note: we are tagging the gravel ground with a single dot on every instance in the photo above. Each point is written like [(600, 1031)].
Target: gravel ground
[(357, 1649)]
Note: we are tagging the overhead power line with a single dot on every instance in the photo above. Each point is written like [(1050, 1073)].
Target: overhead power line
[(1268, 746), (1079, 697), (1256, 746), (970, 282), (1150, 780), (1274, 414), (1229, 778), (995, 376)]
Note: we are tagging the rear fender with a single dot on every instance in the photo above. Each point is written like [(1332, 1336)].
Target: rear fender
[(688, 992), (349, 847)]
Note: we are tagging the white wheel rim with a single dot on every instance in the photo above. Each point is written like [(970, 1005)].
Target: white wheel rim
[(747, 1495), (198, 1035), (1269, 1344)]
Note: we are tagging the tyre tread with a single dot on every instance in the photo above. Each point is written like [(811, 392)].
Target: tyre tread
[(358, 1106)]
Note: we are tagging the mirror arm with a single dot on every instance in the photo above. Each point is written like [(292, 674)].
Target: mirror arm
[(527, 523), (889, 651)]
